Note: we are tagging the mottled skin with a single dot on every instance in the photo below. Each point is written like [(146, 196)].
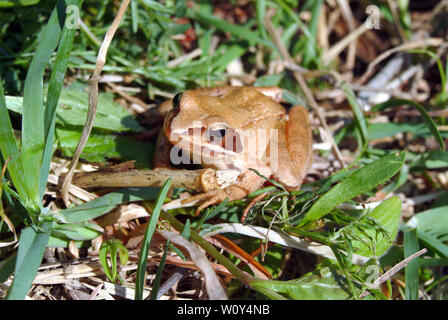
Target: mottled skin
[(233, 112)]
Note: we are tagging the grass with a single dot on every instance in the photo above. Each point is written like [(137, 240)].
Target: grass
[(390, 154)]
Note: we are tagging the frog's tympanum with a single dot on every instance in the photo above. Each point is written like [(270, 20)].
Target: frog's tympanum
[(239, 128)]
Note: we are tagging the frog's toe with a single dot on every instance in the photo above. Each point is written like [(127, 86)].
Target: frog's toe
[(214, 200), (201, 196), (210, 198)]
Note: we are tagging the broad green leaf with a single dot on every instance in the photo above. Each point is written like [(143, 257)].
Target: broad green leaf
[(102, 205), (426, 117), (387, 215), (141, 269), (433, 221), (435, 159), (76, 231), (73, 106), (55, 242), (32, 245), (432, 229), (33, 131), (359, 182), (101, 147), (323, 285)]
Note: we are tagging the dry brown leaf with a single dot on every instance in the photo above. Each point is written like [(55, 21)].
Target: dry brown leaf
[(213, 286)]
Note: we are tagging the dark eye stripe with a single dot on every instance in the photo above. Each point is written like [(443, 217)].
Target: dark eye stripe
[(220, 133), (176, 100)]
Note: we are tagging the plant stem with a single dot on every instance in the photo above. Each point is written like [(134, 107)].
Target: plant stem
[(179, 226)]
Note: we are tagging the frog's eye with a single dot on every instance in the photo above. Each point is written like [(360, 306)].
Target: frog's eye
[(214, 135), (176, 100)]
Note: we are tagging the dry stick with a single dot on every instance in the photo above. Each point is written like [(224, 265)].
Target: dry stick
[(389, 273), (393, 9), (202, 180), (189, 56), (93, 98), (437, 9), (407, 46), (348, 17), (128, 96), (335, 50), (296, 70)]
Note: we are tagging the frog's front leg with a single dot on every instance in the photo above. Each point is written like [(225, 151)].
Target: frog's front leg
[(246, 183)]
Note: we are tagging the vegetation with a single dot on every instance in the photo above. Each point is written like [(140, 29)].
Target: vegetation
[(374, 199)]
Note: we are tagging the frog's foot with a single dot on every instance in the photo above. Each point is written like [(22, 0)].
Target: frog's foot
[(210, 198)]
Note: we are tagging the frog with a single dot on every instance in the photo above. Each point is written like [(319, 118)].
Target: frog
[(214, 126)]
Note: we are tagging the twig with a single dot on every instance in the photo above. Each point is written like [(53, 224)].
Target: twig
[(282, 239), (296, 70), (189, 56), (389, 273), (348, 17), (393, 9), (407, 46), (203, 180), (342, 44), (128, 97), (437, 9), (93, 98), (171, 281)]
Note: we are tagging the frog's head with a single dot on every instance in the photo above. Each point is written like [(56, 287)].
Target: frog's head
[(214, 128)]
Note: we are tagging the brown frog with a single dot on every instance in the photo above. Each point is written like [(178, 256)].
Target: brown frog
[(239, 128)]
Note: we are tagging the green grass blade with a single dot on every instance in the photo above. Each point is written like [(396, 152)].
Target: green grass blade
[(17, 3), (134, 15), (411, 270), (140, 281), (8, 148), (310, 53), (261, 11), (426, 117), (33, 132), (97, 207), (54, 92), (7, 267), (360, 120), (434, 244), (236, 30), (32, 245), (156, 284), (359, 182)]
